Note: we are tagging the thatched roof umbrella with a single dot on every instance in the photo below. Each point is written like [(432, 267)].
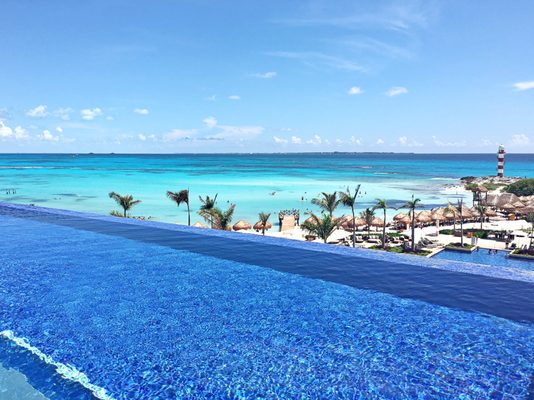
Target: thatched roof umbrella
[(450, 213), (258, 226), (437, 214), (356, 222), (424, 217), (377, 222), (241, 226), (507, 207), (466, 212), (518, 204), (310, 220), (200, 225), (402, 218)]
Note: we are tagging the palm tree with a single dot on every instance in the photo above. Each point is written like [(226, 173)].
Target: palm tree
[(451, 209), (222, 219), (381, 204), (349, 200), (460, 210), (368, 215), (531, 230), (482, 212), (412, 205), (327, 202), (207, 204), (181, 197), (126, 202), (264, 219), (321, 227)]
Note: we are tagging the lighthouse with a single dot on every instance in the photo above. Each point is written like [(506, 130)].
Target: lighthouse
[(500, 161)]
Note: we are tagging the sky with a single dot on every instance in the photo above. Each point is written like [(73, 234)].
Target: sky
[(181, 76)]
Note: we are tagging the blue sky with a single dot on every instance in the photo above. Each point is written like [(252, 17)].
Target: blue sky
[(276, 76)]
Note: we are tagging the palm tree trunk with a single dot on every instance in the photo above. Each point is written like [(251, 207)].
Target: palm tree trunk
[(188, 215), (413, 230), (124, 212), (384, 231), (353, 228)]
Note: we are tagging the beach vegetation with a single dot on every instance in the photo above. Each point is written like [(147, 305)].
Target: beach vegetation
[(368, 215), (181, 197), (482, 211), (127, 202), (322, 227), (381, 204), (523, 187), (207, 204), (222, 219), (412, 205), (328, 202), (348, 199), (401, 250), (264, 219)]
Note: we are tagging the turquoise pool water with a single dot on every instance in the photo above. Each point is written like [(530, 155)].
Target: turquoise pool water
[(482, 256), (146, 310)]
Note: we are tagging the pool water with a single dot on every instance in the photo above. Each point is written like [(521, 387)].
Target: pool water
[(500, 258), (146, 320)]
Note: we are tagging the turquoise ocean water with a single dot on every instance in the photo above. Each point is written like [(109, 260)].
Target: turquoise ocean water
[(254, 182)]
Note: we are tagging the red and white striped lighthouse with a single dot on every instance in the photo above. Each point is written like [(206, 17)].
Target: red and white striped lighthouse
[(500, 161)]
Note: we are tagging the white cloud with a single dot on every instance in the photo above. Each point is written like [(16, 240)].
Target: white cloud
[(355, 140), (210, 122), (396, 90), (63, 113), (296, 140), (211, 98), (91, 113), (141, 137), (520, 140), (527, 85), (5, 131), (403, 140), (37, 112), (59, 129), (110, 118), (141, 111), (266, 75), (315, 140), (21, 133), (355, 90), (47, 136), (441, 143), (234, 97), (279, 140), (179, 134)]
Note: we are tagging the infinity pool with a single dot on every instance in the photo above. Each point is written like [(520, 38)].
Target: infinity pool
[(95, 306)]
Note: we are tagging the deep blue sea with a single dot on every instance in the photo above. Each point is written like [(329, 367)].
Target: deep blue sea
[(254, 182)]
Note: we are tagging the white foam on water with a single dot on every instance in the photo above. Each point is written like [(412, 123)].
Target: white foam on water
[(66, 371)]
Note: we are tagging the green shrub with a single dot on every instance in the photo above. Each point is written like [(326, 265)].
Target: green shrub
[(524, 187)]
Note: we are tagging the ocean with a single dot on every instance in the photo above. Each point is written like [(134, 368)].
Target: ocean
[(254, 182)]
